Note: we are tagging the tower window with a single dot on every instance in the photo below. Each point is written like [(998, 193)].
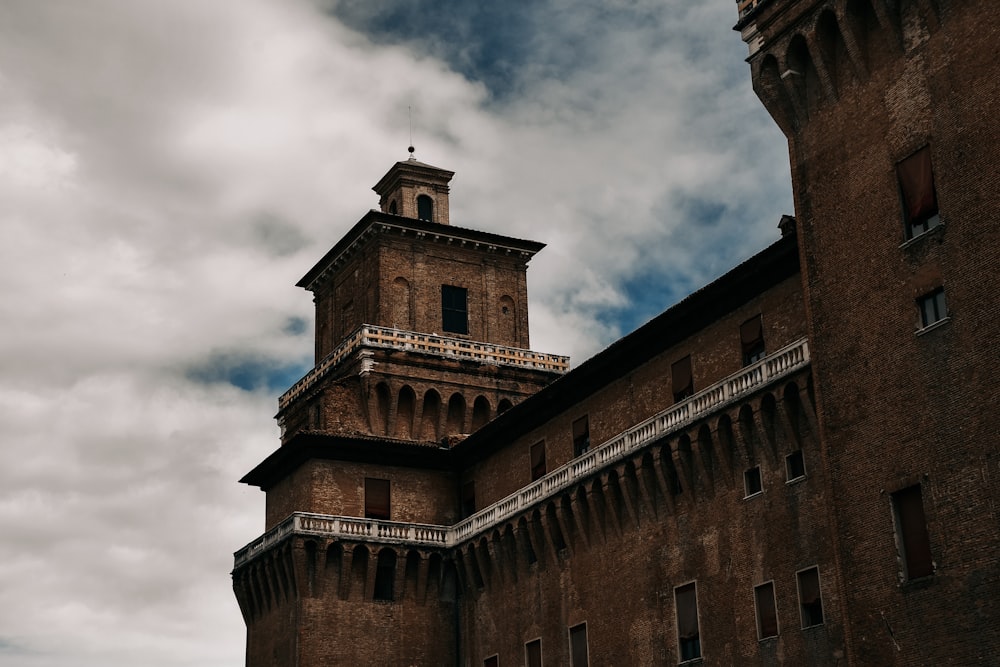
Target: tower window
[(688, 635), (425, 208), (795, 466), (683, 381), (454, 309), (492, 661), (578, 646), (911, 533), (932, 307), (468, 499), (581, 436), (537, 460), (533, 653), (810, 600), (392, 207), (767, 613), (752, 482), (376, 498), (752, 340), (916, 184)]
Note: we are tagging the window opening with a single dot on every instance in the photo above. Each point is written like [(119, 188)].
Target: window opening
[(752, 340), (752, 481), (932, 307), (795, 466), (581, 436), (912, 539), (688, 637), (537, 460), (916, 184), (767, 611), (492, 661), (454, 309), (468, 499), (578, 646), (392, 207), (376, 498), (425, 208), (533, 653), (810, 600), (682, 381)]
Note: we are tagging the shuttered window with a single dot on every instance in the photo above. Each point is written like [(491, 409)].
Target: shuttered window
[(688, 636), (581, 436), (810, 600), (376, 498), (682, 381), (916, 184), (752, 340)]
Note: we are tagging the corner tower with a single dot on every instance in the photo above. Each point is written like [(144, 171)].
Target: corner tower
[(890, 109)]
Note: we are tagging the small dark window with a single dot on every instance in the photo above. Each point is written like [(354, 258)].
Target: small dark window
[(682, 380), (385, 575), (376, 498), (392, 207), (492, 661), (810, 600), (581, 436), (916, 185), (468, 499), (688, 637), (425, 208), (932, 307), (751, 481), (578, 646), (911, 533), (533, 653), (795, 466), (752, 340), (454, 309), (537, 460), (767, 612)]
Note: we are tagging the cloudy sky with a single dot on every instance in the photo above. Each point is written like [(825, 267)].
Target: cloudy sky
[(168, 170)]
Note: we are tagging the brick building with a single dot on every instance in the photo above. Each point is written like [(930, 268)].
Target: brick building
[(797, 464)]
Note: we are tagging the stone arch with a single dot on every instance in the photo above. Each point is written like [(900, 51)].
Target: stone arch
[(380, 411), (861, 19), (456, 415), (430, 418), (802, 75), (504, 405), (833, 50), (507, 319), (401, 304), (480, 412), (405, 412), (385, 575)]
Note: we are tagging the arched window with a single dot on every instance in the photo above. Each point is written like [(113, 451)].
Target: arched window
[(392, 207), (425, 208)]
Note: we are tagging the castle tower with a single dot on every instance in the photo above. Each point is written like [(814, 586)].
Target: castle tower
[(421, 337), (890, 108)]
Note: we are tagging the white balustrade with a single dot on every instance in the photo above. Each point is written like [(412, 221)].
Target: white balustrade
[(771, 368)]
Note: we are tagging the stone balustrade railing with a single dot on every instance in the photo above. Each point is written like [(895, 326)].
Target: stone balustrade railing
[(369, 336), (773, 367)]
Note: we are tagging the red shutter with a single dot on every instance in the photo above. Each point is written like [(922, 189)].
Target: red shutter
[(376, 498), (916, 180)]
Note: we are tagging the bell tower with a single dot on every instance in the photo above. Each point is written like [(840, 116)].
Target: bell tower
[(413, 189)]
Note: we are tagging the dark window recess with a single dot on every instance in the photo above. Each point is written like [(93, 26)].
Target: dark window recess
[(578, 646), (916, 185), (385, 575), (425, 208), (688, 637), (392, 207), (454, 309), (468, 499), (810, 600), (911, 533), (376, 498), (752, 340), (533, 653), (492, 661), (681, 379), (767, 612), (795, 465), (932, 307), (751, 481), (537, 460), (581, 436)]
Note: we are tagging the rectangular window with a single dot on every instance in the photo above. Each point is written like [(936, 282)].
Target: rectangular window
[(533, 653), (581, 436), (578, 646), (912, 540), (751, 481), (688, 637), (767, 612), (468, 499), (454, 309), (932, 307), (810, 600), (752, 340), (376, 498), (916, 185), (537, 460), (795, 466), (681, 379), (492, 661)]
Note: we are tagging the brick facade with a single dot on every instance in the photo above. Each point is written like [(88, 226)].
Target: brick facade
[(823, 493)]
